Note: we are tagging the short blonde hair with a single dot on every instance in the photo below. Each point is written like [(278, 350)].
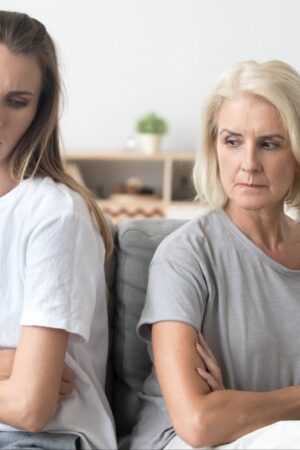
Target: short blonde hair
[(274, 81)]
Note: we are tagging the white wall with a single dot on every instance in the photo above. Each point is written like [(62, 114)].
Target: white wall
[(123, 58)]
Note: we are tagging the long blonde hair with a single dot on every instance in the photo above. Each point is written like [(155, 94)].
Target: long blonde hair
[(38, 151), (274, 81)]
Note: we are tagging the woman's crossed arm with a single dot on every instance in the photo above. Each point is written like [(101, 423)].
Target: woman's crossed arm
[(28, 398), (201, 417)]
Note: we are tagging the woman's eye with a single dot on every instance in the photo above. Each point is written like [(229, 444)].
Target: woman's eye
[(232, 142), (16, 103), (269, 145)]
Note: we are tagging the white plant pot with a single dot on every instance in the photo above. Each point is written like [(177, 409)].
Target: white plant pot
[(150, 143)]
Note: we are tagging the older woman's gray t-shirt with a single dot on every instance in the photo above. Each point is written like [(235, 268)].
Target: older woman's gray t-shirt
[(210, 275)]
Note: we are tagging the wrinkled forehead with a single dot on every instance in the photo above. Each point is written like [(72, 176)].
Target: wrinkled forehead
[(246, 112)]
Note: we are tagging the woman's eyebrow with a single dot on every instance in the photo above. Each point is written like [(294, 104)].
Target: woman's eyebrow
[(225, 130), (270, 136), (19, 92), (263, 136)]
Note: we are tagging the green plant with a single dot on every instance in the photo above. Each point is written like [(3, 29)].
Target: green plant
[(151, 123)]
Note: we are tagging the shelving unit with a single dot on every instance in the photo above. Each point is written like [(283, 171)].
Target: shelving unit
[(167, 174)]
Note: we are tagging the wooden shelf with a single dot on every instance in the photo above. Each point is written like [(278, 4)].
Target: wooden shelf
[(126, 155), (168, 174)]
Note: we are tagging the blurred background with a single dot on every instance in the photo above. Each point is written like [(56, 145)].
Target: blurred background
[(122, 60)]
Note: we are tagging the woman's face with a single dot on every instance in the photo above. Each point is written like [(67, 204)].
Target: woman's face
[(256, 163), (20, 87)]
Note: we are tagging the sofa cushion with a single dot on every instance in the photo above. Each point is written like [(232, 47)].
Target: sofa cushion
[(136, 242)]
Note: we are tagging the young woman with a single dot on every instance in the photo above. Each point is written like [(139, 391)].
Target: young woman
[(233, 273), (53, 241)]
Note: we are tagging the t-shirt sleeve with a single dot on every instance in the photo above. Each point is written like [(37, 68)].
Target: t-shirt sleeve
[(176, 291), (64, 259)]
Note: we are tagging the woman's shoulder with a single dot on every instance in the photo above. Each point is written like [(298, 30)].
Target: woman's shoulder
[(193, 239), (54, 210), (48, 198)]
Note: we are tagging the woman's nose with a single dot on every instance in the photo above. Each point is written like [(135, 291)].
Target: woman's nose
[(250, 160)]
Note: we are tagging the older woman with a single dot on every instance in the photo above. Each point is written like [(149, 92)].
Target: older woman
[(233, 273)]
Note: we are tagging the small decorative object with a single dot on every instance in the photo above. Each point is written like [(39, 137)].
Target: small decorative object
[(151, 128), (133, 186), (130, 143)]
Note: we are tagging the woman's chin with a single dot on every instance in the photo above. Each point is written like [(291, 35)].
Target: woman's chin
[(251, 204)]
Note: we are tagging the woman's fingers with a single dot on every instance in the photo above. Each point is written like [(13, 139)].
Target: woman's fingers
[(213, 384), (205, 346), (212, 374), (65, 388), (67, 382), (61, 397), (210, 363), (68, 374)]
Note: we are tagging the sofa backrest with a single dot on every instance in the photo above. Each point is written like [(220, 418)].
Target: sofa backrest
[(136, 242)]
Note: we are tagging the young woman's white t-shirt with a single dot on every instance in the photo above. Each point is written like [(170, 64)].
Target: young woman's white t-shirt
[(52, 275)]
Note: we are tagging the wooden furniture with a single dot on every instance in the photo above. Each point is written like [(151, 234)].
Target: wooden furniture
[(167, 174)]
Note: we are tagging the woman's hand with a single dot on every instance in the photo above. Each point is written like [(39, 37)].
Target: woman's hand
[(212, 375), (67, 382), (6, 365)]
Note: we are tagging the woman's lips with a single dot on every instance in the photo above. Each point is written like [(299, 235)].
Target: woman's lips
[(251, 186)]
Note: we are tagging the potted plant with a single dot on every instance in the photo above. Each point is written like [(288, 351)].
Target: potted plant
[(151, 127)]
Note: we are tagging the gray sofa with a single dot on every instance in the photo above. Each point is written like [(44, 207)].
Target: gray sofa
[(127, 275)]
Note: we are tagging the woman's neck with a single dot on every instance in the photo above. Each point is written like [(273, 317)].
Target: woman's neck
[(6, 182), (268, 228)]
